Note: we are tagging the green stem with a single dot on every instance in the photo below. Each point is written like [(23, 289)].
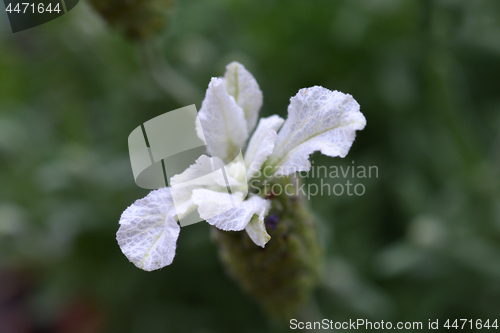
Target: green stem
[(282, 275)]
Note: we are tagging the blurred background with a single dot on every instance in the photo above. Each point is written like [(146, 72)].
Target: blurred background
[(422, 243)]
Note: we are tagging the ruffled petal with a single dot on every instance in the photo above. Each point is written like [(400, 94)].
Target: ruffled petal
[(207, 173), (228, 212), (221, 122), (318, 120), (198, 175), (148, 231), (261, 144), (241, 84), (257, 230)]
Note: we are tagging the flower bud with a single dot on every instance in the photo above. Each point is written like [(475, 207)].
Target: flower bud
[(282, 275)]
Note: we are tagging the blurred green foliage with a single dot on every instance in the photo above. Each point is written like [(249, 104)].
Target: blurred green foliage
[(422, 243), (138, 19)]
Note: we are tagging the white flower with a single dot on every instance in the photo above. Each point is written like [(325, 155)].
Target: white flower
[(318, 120)]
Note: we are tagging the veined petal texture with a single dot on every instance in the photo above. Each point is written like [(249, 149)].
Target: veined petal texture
[(228, 212), (318, 120), (245, 90), (261, 144), (148, 231), (222, 122)]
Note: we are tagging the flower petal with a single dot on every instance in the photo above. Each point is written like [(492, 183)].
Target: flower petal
[(222, 122), (201, 167), (318, 120), (212, 203), (198, 175), (261, 144), (257, 230), (148, 231), (228, 212), (241, 84)]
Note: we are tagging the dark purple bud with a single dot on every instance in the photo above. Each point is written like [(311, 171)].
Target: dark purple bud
[(272, 221)]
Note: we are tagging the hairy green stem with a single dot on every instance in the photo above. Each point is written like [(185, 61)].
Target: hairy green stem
[(282, 275)]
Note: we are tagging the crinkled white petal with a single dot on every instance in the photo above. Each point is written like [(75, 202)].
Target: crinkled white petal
[(201, 167), (206, 173), (318, 120), (199, 130), (261, 144), (212, 203), (241, 84), (228, 212), (235, 172), (148, 231), (257, 230), (197, 175), (222, 122)]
